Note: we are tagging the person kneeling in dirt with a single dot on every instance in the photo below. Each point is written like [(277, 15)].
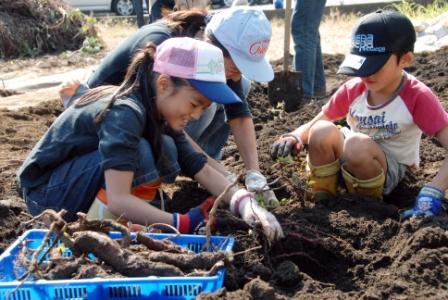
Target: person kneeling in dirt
[(115, 145), (243, 35), (386, 110)]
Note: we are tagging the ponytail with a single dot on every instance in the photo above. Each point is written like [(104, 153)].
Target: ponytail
[(139, 77)]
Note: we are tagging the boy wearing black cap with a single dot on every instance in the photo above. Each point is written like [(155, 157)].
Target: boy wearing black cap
[(386, 110)]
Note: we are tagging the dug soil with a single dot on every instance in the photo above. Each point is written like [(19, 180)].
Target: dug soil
[(343, 248)]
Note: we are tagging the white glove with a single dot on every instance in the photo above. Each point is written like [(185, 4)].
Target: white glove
[(243, 204), (256, 182)]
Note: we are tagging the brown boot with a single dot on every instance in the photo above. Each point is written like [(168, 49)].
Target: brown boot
[(372, 187), (323, 179)]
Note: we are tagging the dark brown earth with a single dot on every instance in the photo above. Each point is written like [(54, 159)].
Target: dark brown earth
[(346, 248), (30, 28)]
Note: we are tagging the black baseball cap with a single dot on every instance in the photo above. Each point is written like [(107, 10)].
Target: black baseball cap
[(374, 38)]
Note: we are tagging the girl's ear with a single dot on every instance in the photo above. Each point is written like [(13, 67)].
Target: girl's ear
[(406, 59), (163, 84)]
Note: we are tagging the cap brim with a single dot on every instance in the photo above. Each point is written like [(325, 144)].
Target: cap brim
[(362, 66), (260, 71), (218, 92)]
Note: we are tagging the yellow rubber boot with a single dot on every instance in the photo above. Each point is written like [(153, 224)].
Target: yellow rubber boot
[(373, 187), (323, 179)]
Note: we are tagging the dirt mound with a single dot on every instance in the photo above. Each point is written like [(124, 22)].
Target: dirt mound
[(346, 248), (32, 27)]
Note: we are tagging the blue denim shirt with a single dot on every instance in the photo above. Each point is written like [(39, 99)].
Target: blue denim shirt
[(113, 67), (116, 137)]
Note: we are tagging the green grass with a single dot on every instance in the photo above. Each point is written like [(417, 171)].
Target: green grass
[(417, 11)]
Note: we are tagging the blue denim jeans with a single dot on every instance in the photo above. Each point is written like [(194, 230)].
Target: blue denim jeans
[(308, 54), (74, 184), (211, 131)]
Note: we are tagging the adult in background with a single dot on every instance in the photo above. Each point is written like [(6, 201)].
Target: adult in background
[(139, 12), (243, 35), (308, 53)]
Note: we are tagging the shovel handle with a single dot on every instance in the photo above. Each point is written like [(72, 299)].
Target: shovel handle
[(287, 35)]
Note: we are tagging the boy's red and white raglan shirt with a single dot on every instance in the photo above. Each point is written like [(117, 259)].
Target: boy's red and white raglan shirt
[(397, 124)]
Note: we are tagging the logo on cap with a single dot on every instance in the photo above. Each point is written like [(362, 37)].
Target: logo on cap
[(212, 67), (259, 47), (365, 43)]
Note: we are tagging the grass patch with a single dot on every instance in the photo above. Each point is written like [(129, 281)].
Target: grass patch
[(417, 11)]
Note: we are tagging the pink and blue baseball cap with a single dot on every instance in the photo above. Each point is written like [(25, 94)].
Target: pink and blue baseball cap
[(201, 63)]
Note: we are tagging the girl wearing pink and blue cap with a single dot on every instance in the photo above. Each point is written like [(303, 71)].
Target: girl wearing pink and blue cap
[(111, 149), (243, 34)]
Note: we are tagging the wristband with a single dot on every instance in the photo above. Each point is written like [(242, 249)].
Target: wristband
[(235, 203), (432, 191), (296, 137)]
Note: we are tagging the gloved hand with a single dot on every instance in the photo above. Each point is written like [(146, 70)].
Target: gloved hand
[(428, 203), (195, 219), (243, 204), (285, 145), (256, 182)]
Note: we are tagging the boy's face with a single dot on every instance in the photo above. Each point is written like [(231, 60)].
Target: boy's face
[(387, 79)]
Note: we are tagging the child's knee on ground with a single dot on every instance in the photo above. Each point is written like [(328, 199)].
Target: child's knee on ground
[(363, 157), (325, 143)]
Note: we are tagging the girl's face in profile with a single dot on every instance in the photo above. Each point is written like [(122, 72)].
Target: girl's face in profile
[(179, 106)]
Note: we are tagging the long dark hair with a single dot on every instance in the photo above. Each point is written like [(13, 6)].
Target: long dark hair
[(139, 78), (186, 23)]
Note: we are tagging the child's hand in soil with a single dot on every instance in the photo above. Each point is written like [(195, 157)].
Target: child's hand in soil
[(256, 182), (427, 204), (287, 144), (243, 204)]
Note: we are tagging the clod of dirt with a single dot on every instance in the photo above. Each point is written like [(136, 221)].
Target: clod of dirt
[(262, 271), (288, 274), (259, 290), (32, 27), (7, 92)]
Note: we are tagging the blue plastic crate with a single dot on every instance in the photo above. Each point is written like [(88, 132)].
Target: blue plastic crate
[(116, 288)]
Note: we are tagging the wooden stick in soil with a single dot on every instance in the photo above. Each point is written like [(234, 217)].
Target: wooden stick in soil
[(211, 215)]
